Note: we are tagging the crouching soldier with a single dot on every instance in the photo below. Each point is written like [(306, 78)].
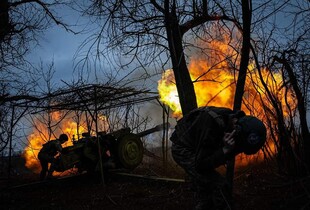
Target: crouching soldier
[(47, 155), (205, 139)]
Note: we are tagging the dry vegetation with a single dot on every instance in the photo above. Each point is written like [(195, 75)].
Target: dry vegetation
[(257, 188)]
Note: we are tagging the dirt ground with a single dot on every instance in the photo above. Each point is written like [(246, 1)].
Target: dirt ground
[(256, 188)]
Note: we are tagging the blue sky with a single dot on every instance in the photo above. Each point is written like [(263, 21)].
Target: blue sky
[(58, 46)]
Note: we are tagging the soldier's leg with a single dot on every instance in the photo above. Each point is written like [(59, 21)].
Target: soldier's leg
[(44, 168), (221, 197), (203, 198), (212, 192), (51, 169), (186, 159)]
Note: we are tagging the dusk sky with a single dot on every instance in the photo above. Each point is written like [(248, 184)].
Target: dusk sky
[(60, 46)]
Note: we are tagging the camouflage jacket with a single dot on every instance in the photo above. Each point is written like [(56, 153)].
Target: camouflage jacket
[(201, 132), (51, 147)]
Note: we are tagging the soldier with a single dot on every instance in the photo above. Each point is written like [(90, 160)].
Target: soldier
[(47, 155), (205, 139)]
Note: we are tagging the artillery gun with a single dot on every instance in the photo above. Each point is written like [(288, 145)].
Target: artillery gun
[(121, 149)]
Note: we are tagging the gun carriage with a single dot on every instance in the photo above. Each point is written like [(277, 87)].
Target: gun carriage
[(121, 149)]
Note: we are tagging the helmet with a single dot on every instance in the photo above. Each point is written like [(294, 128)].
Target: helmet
[(63, 138), (252, 134)]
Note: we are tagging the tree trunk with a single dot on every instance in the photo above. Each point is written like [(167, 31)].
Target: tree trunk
[(301, 109), (245, 54), (4, 19), (184, 83)]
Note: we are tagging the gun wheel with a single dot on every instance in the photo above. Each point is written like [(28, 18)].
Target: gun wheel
[(130, 151)]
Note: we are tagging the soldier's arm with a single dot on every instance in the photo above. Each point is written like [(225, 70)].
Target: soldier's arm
[(58, 146), (211, 160)]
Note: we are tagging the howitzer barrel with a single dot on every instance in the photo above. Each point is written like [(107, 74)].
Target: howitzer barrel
[(152, 130)]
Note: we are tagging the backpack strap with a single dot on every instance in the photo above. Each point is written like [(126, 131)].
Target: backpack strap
[(218, 118)]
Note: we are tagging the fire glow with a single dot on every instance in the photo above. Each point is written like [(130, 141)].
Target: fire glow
[(215, 85), (40, 135)]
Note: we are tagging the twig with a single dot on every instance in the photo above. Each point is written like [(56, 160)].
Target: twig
[(112, 201)]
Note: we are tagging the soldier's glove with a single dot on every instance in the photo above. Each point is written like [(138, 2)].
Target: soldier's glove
[(229, 142)]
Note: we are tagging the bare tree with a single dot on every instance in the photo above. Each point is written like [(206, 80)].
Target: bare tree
[(283, 48), (159, 33), (21, 24)]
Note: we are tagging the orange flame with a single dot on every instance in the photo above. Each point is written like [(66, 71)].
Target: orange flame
[(216, 87), (216, 90), (215, 84), (40, 135)]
